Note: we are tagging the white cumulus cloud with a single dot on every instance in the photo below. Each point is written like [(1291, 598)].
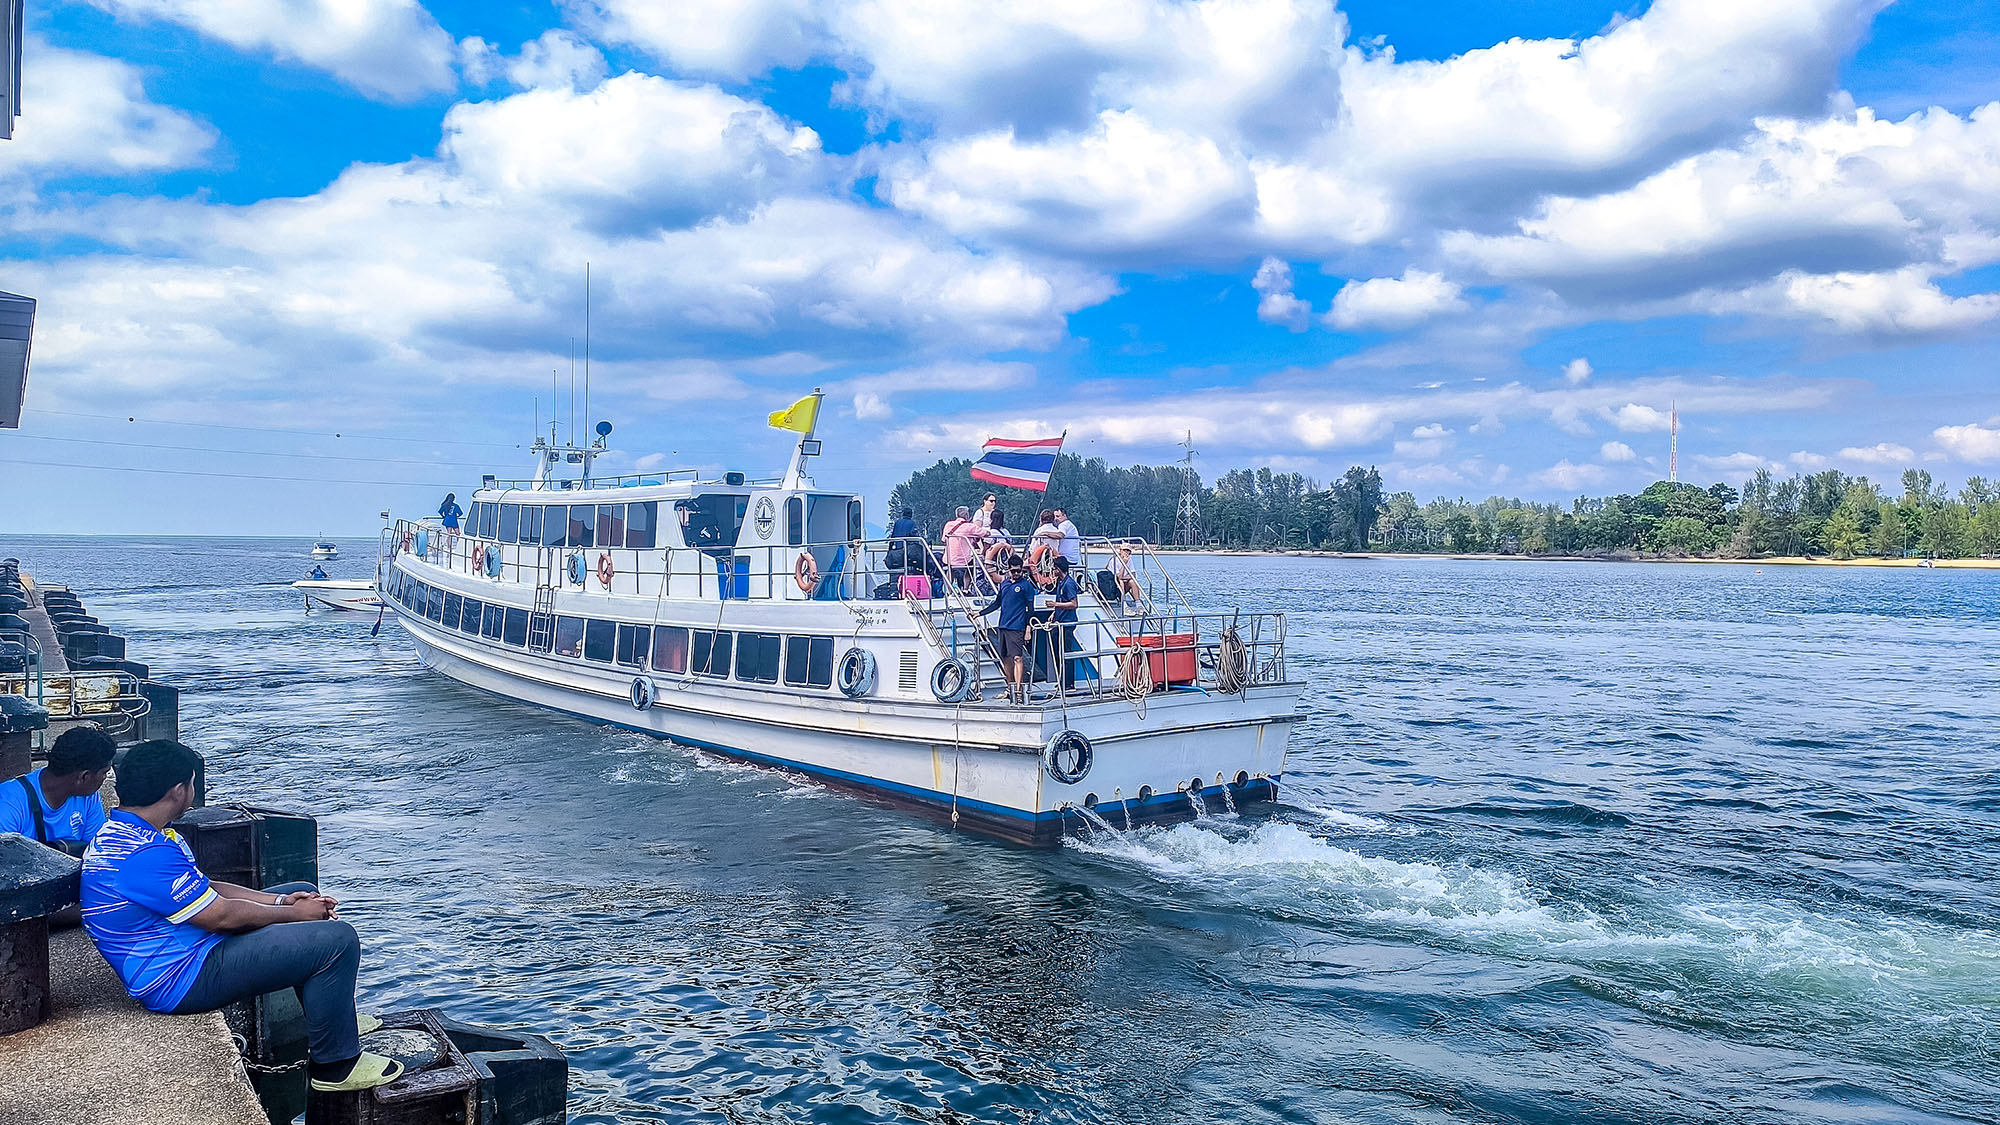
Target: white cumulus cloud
[(88, 113), (389, 49), (1977, 444), (1616, 451), (1390, 303), (1276, 304)]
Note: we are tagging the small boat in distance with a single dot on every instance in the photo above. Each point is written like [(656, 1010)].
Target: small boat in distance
[(324, 549), (356, 594)]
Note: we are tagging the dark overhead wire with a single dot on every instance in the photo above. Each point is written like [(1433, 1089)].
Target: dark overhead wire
[(345, 435), (226, 476), (247, 452)]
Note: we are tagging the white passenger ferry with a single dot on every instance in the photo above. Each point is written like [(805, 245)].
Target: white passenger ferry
[(754, 619)]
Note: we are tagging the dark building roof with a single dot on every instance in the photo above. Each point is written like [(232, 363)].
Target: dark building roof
[(17, 328)]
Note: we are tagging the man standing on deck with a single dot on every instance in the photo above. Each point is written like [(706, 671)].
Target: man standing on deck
[(1013, 600), (1063, 597), (449, 511), (1070, 545), (161, 924), (57, 805)]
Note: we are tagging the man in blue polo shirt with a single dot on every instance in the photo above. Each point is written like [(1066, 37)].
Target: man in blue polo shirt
[(58, 805), (1013, 601), (183, 943)]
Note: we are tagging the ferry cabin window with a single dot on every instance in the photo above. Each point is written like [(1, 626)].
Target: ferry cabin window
[(711, 520), (434, 609), (809, 661), (515, 631), (639, 522), (757, 657), (599, 640), (670, 649), (633, 640), (555, 524), (453, 604), (531, 523), (510, 523), (795, 521), (582, 521), (490, 627), (854, 520), (569, 636), (709, 653), (610, 525), (487, 518), (468, 621)]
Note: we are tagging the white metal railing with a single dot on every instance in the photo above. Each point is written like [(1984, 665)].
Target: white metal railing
[(1178, 647)]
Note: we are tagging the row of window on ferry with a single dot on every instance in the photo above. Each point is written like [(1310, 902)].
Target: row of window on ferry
[(566, 525), (758, 658)]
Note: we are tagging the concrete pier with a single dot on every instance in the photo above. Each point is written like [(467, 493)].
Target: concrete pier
[(104, 1059)]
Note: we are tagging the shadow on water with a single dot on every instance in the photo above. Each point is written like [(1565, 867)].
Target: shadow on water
[(1590, 843)]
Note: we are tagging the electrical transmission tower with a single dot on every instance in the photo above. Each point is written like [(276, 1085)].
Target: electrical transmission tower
[(1187, 520), (1673, 443)]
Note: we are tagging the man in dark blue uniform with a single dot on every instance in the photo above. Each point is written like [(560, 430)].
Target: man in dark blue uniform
[(1013, 601)]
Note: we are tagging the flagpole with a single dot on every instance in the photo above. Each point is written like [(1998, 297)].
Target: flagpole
[(795, 475)]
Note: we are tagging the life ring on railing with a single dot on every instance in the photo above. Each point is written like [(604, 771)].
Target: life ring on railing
[(951, 680), (423, 542), (1067, 757), (491, 557), (805, 572), (642, 693), (856, 674), (605, 571), (577, 570)]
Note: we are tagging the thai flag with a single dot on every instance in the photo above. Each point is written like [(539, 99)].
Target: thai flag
[(1018, 464)]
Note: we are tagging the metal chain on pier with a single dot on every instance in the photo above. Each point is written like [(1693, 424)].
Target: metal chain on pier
[(243, 1050)]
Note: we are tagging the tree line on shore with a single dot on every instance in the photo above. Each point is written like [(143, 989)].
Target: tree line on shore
[(1827, 513)]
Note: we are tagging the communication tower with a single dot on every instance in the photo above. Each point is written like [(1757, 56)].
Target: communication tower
[(1673, 442), (1187, 520)]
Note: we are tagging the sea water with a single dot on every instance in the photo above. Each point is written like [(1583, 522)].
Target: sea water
[(1557, 843)]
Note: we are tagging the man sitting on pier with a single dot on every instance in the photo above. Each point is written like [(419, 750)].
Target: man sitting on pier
[(183, 943), (58, 805)]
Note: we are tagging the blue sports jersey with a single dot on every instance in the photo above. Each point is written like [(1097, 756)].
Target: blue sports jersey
[(140, 887), (76, 822), (450, 512)]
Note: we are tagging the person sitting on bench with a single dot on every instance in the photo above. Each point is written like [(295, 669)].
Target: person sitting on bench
[(183, 943)]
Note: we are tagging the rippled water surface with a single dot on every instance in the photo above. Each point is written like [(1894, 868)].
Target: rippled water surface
[(1558, 843)]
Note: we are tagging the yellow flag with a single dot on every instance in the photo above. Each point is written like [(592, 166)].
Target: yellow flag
[(799, 416)]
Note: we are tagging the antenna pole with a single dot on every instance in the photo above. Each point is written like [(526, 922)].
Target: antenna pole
[(586, 343), (1673, 442), (572, 390)]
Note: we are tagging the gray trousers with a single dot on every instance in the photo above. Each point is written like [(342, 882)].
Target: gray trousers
[(317, 960)]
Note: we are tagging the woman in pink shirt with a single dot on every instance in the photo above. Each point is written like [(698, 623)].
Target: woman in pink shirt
[(960, 537)]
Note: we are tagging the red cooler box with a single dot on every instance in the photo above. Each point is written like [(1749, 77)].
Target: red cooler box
[(1169, 657)]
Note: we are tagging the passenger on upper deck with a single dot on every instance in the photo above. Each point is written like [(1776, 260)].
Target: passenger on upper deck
[(905, 543), (960, 536), (1127, 583), (449, 511), (998, 545), (1045, 542), (318, 573), (161, 924), (1070, 543), (988, 509)]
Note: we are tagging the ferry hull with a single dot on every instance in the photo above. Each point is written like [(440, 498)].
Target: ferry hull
[(976, 783)]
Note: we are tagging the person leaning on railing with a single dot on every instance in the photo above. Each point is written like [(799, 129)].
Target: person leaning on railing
[(960, 540)]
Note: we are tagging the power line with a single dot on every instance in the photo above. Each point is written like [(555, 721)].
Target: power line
[(273, 429), (247, 452), (226, 476)]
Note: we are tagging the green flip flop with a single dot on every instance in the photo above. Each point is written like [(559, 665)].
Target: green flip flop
[(366, 1023), (369, 1072)]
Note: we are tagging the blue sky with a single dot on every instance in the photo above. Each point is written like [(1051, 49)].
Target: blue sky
[(1485, 247)]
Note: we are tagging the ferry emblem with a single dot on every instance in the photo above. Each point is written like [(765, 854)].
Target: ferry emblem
[(767, 517)]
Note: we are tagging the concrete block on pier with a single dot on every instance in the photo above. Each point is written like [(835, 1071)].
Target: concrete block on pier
[(35, 882)]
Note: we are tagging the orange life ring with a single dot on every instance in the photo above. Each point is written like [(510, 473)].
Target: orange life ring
[(806, 572), (605, 570)]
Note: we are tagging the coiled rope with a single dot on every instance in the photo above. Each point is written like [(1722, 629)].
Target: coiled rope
[(1232, 663)]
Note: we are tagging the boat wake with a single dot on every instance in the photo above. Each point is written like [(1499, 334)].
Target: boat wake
[(1887, 982)]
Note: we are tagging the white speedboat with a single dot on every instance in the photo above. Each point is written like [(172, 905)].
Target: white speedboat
[(358, 594), (752, 618), (325, 550)]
